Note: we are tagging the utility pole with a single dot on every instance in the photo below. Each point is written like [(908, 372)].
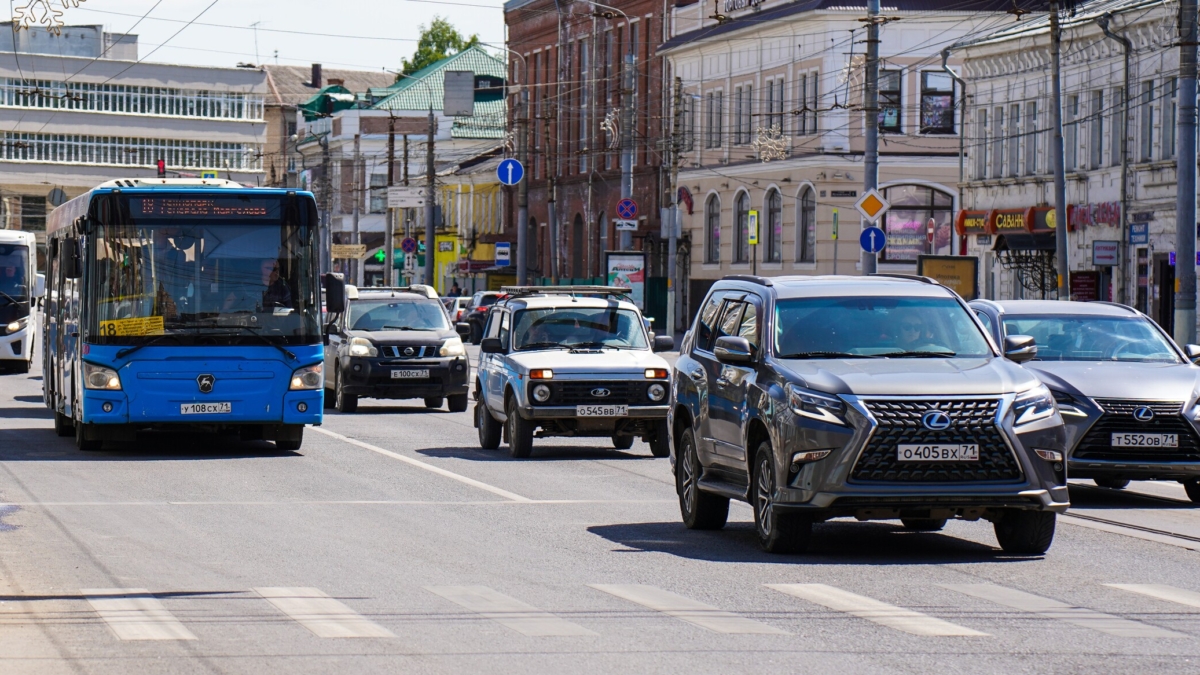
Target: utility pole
[(430, 197), (673, 202), (407, 212), (523, 191), (1185, 200), (1060, 171), (871, 119), (326, 206), (1123, 135), (627, 143), (355, 263), (389, 243)]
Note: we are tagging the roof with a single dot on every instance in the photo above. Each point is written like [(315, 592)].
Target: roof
[(826, 286), (292, 85), (1085, 15), (1059, 308), (422, 90), (329, 100)]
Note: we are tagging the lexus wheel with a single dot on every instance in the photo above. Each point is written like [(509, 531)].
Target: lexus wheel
[(700, 510), (1111, 483), (777, 532), (1193, 490), (1025, 532)]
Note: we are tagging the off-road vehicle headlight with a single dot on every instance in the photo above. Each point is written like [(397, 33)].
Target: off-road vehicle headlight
[(817, 406), (541, 393), (362, 347), (656, 392), (453, 347)]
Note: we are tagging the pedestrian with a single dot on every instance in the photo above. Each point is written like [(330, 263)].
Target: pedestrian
[(455, 291)]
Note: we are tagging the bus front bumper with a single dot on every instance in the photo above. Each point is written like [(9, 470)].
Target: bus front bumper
[(115, 407)]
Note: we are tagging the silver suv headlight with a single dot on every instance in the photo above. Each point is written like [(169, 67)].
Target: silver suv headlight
[(99, 377), (453, 347), (1033, 405), (311, 377), (362, 347), (817, 406)]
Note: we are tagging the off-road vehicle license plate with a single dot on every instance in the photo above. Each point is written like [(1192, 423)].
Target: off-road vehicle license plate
[(1128, 440), (410, 374), (601, 410), (204, 408), (938, 453)]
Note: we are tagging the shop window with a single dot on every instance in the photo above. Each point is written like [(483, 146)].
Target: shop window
[(907, 222)]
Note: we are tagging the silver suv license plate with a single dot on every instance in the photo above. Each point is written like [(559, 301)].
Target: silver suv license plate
[(938, 453), (1128, 440), (410, 374), (204, 408), (601, 410)]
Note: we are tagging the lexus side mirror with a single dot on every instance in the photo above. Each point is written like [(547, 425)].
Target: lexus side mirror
[(733, 349), (491, 345), (39, 285), (1019, 348), (1193, 352), (463, 328), (664, 343), (335, 293)]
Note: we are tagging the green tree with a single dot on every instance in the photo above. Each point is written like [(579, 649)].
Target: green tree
[(439, 40)]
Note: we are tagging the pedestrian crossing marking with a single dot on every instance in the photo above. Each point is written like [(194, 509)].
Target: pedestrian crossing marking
[(321, 614), (510, 612), (692, 611), (135, 614), (1162, 592), (1053, 609), (870, 609)]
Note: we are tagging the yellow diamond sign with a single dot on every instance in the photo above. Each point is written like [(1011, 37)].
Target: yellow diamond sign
[(872, 205)]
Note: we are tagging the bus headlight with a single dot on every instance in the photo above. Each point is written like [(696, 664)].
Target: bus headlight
[(17, 325), (311, 377), (362, 347), (453, 347), (99, 377)]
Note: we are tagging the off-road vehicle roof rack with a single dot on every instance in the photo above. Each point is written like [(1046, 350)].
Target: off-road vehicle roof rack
[(910, 277), (520, 291), (761, 281)]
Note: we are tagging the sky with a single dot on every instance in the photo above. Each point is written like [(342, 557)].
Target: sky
[(358, 34)]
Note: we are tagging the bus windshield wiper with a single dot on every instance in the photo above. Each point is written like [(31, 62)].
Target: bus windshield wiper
[(10, 298), (122, 353), (827, 355), (254, 331), (920, 354)]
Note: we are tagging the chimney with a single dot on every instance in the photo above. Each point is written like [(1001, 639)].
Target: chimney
[(316, 75)]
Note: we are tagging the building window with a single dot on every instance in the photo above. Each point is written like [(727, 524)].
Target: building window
[(889, 101), (741, 228), (742, 115), (775, 89), (129, 151), (1146, 110), (1169, 112), (998, 143), (1031, 138), (980, 144), (1118, 126), (937, 102), (128, 99), (907, 222), (1071, 133), (1096, 130), (806, 227), (714, 120), (774, 252), (712, 230), (378, 192), (1014, 139), (806, 96), (687, 125)]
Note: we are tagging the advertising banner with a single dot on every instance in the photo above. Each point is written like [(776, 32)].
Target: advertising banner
[(628, 270)]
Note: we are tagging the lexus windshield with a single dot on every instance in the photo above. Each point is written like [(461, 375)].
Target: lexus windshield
[(876, 327), (14, 273), (397, 314), (193, 268), (1093, 338), (596, 327)]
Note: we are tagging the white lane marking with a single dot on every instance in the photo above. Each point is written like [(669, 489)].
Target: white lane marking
[(321, 614), (428, 467), (523, 618), (1053, 609), (1163, 592), (871, 609), (135, 614), (691, 611)]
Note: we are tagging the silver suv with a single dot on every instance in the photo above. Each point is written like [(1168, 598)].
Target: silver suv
[(570, 361), (869, 397)]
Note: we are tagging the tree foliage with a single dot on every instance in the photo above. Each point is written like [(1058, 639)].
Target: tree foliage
[(438, 40)]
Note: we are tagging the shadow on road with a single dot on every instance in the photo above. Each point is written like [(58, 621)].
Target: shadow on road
[(25, 412), (155, 446), (540, 453), (29, 398), (364, 409), (1092, 497), (833, 543)]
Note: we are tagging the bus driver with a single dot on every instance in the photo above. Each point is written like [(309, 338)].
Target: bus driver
[(271, 291)]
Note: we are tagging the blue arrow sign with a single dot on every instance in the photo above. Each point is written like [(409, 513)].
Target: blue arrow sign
[(872, 240), (510, 172), (627, 209)]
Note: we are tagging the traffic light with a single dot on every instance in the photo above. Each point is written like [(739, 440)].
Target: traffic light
[(162, 168)]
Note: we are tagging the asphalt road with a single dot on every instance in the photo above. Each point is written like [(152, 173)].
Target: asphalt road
[(391, 543)]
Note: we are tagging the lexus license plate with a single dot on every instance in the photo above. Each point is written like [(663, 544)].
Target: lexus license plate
[(937, 452), (410, 374), (601, 410), (1132, 440), (205, 408)]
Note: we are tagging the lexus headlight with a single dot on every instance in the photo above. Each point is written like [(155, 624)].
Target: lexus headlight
[(453, 347), (311, 377), (816, 406), (1033, 405), (99, 377), (362, 347), (17, 325), (1067, 405)]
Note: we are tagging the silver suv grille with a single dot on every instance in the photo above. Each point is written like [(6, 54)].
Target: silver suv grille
[(971, 421)]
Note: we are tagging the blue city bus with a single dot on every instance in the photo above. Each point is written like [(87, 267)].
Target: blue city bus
[(183, 304)]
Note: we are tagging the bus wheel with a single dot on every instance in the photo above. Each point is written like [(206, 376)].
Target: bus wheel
[(82, 441), (63, 426), (291, 445)]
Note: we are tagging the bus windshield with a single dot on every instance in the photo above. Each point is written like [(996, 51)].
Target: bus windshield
[(14, 273), (196, 276)]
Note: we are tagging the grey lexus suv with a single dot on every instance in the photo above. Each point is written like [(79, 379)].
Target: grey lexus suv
[(875, 398)]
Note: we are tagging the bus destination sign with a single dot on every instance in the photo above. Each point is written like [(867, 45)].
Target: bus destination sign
[(203, 207)]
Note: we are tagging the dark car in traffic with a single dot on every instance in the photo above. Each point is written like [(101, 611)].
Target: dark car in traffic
[(873, 397), (1127, 392), (476, 314), (395, 343)]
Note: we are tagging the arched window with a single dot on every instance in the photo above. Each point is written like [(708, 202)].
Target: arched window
[(577, 238), (774, 233), (806, 227), (712, 230), (741, 228), (907, 222)]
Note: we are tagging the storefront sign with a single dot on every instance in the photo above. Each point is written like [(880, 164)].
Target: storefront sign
[(1042, 219), (1141, 217), (983, 240), (1004, 221), (1106, 253), (1139, 233), (1171, 259), (1085, 286), (959, 273), (971, 222), (734, 5), (1089, 215), (628, 270)]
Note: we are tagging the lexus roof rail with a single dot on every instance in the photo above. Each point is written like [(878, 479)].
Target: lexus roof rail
[(754, 279), (910, 277)]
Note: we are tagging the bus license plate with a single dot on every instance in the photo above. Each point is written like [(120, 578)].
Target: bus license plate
[(204, 408), (1129, 440), (410, 374), (938, 453), (601, 410)]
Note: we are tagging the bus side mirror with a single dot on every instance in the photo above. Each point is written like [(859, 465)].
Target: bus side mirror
[(39, 285), (72, 262), (335, 293)]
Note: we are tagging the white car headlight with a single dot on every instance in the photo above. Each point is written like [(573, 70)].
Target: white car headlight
[(816, 406), (453, 347), (362, 347), (99, 377), (657, 392), (541, 393), (311, 377), (1033, 405)]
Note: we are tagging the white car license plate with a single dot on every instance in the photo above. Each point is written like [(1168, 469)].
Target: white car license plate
[(1131, 440), (204, 408), (601, 410), (410, 374), (938, 453)]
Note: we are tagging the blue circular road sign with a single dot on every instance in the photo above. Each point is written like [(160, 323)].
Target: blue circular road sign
[(408, 245), (510, 172), (872, 240), (627, 209)]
